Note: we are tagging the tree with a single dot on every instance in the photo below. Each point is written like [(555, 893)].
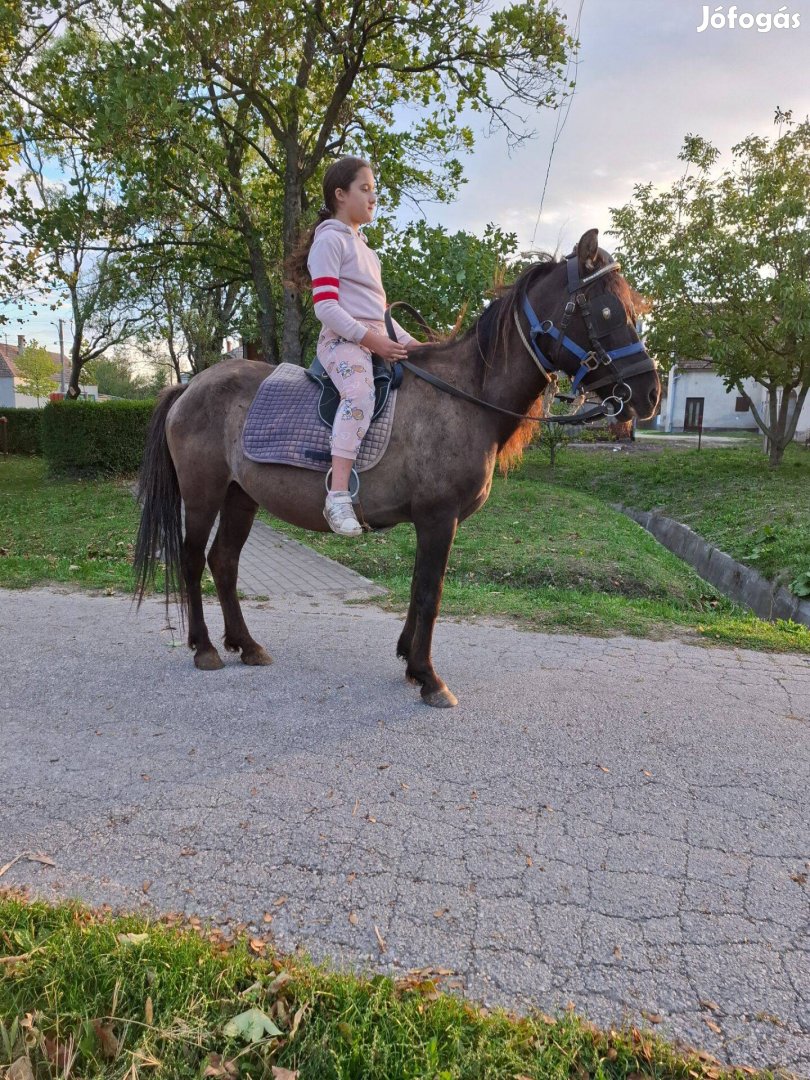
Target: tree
[(725, 260), (445, 277), (114, 376), (249, 100), (37, 371)]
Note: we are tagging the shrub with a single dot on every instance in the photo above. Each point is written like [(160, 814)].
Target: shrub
[(24, 430), (95, 437)]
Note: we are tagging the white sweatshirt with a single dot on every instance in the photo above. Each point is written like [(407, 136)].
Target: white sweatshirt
[(347, 285)]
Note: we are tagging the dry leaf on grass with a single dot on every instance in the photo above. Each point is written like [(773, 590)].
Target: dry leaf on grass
[(107, 1039), (20, 1070), (258, 946), (148, 1012), (220, 1067), (283, 1074), (299, 1015), (280, 980)]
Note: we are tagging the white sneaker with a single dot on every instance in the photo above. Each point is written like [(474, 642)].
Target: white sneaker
[(340, 515)]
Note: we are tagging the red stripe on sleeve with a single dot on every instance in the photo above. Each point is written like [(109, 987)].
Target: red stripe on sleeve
[(325, 296), (325, 281)]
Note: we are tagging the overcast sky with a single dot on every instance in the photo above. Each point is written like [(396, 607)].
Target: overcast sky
[(646, 78)]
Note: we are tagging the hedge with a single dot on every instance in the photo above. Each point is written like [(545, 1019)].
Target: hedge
[(24, 430), (95, 437)]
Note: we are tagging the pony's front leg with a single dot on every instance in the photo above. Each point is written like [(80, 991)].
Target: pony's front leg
[(434, 538)]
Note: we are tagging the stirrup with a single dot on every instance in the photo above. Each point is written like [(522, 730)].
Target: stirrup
[(352, 477)]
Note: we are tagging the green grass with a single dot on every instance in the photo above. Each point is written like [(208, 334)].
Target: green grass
[(730, 496), (157, 1004), (67, 532), (554, 557), (559, 559)]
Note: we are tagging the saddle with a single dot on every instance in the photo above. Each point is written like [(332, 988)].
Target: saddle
[(290, 419), (387, 377)]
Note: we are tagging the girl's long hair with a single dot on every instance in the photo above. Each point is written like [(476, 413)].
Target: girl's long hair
[(340, 174)]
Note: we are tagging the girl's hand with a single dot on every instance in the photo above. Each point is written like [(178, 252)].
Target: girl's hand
[(383, 346)]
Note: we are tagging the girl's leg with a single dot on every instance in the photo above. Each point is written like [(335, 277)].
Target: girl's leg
[(349, 367)]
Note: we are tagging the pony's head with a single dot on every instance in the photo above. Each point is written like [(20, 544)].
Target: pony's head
[(578, 316)]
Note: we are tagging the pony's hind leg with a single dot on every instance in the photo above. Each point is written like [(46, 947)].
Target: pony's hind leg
[(198, 522), (235, 522)]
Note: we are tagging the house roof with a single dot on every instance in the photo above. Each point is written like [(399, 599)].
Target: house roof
[(9, 353), (695, 365)]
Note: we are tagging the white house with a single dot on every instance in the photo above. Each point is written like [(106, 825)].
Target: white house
[(696, 395), (10, 378)]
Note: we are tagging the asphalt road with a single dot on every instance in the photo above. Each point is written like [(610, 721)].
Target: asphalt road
[(620, 824)]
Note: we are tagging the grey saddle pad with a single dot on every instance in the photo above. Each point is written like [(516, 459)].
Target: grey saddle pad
[(283, 426)]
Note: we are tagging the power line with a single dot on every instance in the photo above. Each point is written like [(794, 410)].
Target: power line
[(559, 127)]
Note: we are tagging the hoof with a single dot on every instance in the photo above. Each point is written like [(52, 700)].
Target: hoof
[(208, 660), (257, 657), (440, 699)]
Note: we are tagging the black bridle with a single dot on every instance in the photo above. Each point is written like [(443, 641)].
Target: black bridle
[(599, 321)]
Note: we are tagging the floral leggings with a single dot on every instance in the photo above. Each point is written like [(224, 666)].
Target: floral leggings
[(349, 367)]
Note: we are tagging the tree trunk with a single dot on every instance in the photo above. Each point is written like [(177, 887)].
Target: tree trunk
[(268, 331), (293, 315), (76, 363)]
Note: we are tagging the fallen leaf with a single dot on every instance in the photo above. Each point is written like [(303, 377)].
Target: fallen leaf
[(220, 1067), (188, 851), (107, 1038), (280, 980), (296, 1021), (617, 952), (59, 1054), (710, 1024), (380, 938), (281, 900), (31, 856), (603, 768), (267, 917), (251, 1025), (654, 1018), (258, 946), (149, 1012), (146, 886), (706, 1004), (132, 939), (353, 918), (800, 879), (373, 820), (437, 914), (646, 773), (283, 1074), (381, 767), (20, 1070)]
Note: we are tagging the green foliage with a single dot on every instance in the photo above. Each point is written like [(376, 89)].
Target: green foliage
[(23, 431), (723, 257), (36, 370), (88, 437), (114, 377), (443, 275)]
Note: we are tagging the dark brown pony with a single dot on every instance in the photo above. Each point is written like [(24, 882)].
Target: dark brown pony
[(436, 471)]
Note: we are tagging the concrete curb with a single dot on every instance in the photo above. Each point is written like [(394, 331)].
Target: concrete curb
[(740, 583)]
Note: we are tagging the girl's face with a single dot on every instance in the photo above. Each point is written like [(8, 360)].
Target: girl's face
[(357, 203)]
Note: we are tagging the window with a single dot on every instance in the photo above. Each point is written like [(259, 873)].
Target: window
[(741, 405)]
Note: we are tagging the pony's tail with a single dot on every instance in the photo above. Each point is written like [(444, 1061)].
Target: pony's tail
[(160, 533)]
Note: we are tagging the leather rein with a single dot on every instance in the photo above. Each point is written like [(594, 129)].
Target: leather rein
[(589, 361)]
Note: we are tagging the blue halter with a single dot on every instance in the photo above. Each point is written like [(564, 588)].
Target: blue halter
[(589, 360)]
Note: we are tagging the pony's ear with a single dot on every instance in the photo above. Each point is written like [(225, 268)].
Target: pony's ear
[(586, 250)]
